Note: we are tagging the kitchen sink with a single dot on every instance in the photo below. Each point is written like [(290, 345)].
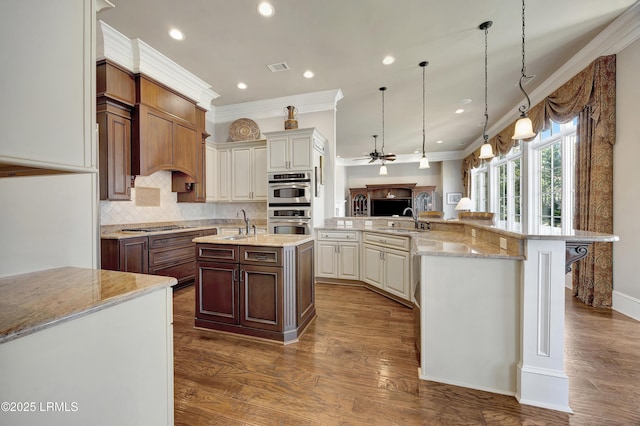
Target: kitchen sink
[(235, 237)]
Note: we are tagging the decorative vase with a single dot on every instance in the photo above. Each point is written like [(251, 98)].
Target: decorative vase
[(290, 122)]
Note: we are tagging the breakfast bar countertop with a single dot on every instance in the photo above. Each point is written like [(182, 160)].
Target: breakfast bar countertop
[(34, 301)]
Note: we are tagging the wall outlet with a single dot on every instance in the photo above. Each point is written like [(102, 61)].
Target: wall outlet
[(503, 243), (473, 233)]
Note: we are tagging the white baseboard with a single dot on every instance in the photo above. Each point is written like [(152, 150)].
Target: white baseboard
[(626, 305)]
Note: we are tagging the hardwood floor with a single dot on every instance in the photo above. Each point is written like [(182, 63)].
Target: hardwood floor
[(356, 365)]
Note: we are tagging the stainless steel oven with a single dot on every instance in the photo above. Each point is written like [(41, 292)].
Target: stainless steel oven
[(293, 219), (290, 188)]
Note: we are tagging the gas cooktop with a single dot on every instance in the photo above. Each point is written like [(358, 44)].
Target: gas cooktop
[(156, 228)]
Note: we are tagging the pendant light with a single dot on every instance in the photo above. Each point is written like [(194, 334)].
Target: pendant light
[(524, 128), (486, 152), (383, 168), (424, 161)]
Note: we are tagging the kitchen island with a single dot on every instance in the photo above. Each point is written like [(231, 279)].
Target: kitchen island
[(260, 285), (83, 346), (489, 301)]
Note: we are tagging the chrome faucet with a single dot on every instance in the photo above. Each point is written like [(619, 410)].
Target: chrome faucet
[(245, 218), (413, 216)]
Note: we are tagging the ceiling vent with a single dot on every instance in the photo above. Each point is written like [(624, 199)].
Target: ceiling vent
[(281, 66)]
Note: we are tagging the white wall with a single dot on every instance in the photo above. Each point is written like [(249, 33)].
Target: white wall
[(626, 184), (451, 182)]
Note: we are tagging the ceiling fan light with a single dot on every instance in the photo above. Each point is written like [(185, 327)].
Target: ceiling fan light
[(383, 170), (486, 151), (424, 162), (524, 128)]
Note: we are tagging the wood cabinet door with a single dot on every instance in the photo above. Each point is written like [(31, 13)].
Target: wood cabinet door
[(261, 297), (134, 255), (396, 273), (300, 153), (372, 265), (348, 261), (327, 265), (278, 154), (186, 142), (259, 178), (217, 292), (115, 156), (305, 283), (211, 173), (241, 174)]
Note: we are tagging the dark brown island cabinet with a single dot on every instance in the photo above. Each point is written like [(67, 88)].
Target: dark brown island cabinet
[(261, 291)]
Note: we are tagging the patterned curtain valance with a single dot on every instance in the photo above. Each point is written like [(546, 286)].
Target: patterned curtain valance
[(588, 88)]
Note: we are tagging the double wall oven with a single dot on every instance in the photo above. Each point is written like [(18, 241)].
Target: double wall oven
[(289, 210)]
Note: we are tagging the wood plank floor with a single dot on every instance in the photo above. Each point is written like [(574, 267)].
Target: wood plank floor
[(356, 365)]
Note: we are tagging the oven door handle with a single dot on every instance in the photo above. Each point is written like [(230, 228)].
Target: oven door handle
[(290, 185), (289, 221)]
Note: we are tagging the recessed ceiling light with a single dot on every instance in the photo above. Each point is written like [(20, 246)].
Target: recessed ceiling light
[(417, 151), (465, 101), (440, 142), (308, 74), (176, 34), (242, 86), (265, 9), (388, 60), (459, 111)]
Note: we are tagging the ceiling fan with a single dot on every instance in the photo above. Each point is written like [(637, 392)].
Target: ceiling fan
[(377, 155)]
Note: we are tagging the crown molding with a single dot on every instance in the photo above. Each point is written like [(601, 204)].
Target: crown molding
[(326, 100), (138, 57), (622, 32)]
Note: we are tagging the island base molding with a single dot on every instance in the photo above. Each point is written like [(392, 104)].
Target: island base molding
[(543, 388)]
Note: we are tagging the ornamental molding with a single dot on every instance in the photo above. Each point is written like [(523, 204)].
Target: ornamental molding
[(138, 57)]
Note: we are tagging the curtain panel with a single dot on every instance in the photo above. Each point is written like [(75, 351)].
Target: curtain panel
[(591, 96)]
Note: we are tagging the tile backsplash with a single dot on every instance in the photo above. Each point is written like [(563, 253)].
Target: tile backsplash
[(124, 212)]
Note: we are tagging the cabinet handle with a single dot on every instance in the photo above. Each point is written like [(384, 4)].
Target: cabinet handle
[(338, 247), (261, 257), (235, 278), (241, 275)]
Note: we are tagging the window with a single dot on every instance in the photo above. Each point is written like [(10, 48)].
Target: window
[(497, 185)]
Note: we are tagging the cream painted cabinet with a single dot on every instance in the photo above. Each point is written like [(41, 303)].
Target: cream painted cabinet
[(386, 263), (36, 77), (223, 173), (338, 255), (211, 160), (292, 150), (249, 174)]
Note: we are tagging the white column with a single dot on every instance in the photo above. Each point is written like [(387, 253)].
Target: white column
[(541, 379)]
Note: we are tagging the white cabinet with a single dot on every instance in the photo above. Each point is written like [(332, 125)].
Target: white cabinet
[(338, 255), (249, 174), (58, 81), (211, 162), (223, 173), (386, 263), (293, 149)]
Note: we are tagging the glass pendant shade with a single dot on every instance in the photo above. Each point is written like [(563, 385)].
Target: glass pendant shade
[(424, 162), (486, 151), (524, 128), (383, 170)]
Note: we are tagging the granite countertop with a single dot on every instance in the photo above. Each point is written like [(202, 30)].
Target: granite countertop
[(274, 240), (121, 234), (38, 300)]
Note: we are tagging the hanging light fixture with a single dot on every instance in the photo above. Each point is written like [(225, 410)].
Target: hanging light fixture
[(524, 128), (486, 151), (424, 161), (383, 167)]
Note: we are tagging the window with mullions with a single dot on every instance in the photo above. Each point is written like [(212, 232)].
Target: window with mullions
[(554, 153), (506, 174), (480, 190)]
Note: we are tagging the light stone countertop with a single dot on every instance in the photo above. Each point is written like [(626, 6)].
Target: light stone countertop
[(439, 243), (273, 240), (119, 235), (34, 301)]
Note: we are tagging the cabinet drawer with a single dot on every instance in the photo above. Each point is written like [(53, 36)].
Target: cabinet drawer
[(271, 256), (386, 240), (222, 252), (171, 255), (172, 240), (183, 272), (338, 235)]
